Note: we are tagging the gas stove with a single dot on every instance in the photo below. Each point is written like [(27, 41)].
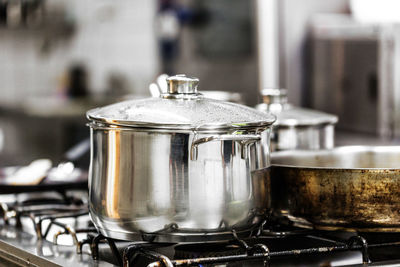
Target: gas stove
[(54, 229)]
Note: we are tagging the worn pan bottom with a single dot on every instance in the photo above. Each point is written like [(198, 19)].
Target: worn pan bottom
[(354, 188)]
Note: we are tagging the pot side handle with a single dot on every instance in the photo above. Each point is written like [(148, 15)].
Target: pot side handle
[(245, 140)]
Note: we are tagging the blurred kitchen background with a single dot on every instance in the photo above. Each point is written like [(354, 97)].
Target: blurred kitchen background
[(61, 58)]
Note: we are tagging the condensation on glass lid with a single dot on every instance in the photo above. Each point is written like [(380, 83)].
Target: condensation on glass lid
[(190, 113), (296, 116)]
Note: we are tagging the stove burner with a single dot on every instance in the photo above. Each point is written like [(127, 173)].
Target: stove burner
[(191, 251), (47, 213), (94, 246)]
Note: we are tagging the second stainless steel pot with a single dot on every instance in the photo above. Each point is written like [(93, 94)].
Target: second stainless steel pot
[(179, 167), (297, 128)]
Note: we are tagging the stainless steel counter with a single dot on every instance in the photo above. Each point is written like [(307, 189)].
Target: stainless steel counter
[(18, 248)]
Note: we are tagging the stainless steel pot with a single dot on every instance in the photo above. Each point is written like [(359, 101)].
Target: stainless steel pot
[(297, 128), (179, 167)]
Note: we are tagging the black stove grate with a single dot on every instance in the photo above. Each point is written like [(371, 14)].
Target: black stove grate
[(250, 252), (256, 251)]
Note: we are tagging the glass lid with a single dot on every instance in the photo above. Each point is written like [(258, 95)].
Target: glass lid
[(275, 102), (181, 107)]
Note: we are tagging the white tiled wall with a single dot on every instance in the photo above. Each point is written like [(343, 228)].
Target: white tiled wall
[(110, 36)]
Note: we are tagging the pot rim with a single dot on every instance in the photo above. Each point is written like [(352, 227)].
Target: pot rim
[(189, 127), (278, 158)]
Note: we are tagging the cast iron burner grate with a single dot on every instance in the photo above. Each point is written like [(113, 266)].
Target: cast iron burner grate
[(192, 251), (48, 212), (237, 250)]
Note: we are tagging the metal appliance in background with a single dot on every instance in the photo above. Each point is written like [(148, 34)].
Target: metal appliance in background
[(354, 73), (179, 167), (297, 128), (354, 187)]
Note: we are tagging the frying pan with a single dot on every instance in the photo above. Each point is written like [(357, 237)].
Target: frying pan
[(354, 187)]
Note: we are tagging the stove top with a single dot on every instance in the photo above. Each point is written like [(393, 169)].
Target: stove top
[(54, 229)]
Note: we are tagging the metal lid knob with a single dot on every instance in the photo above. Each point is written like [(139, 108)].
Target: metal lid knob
[(181, 84), (274, 100), (274, 96)]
